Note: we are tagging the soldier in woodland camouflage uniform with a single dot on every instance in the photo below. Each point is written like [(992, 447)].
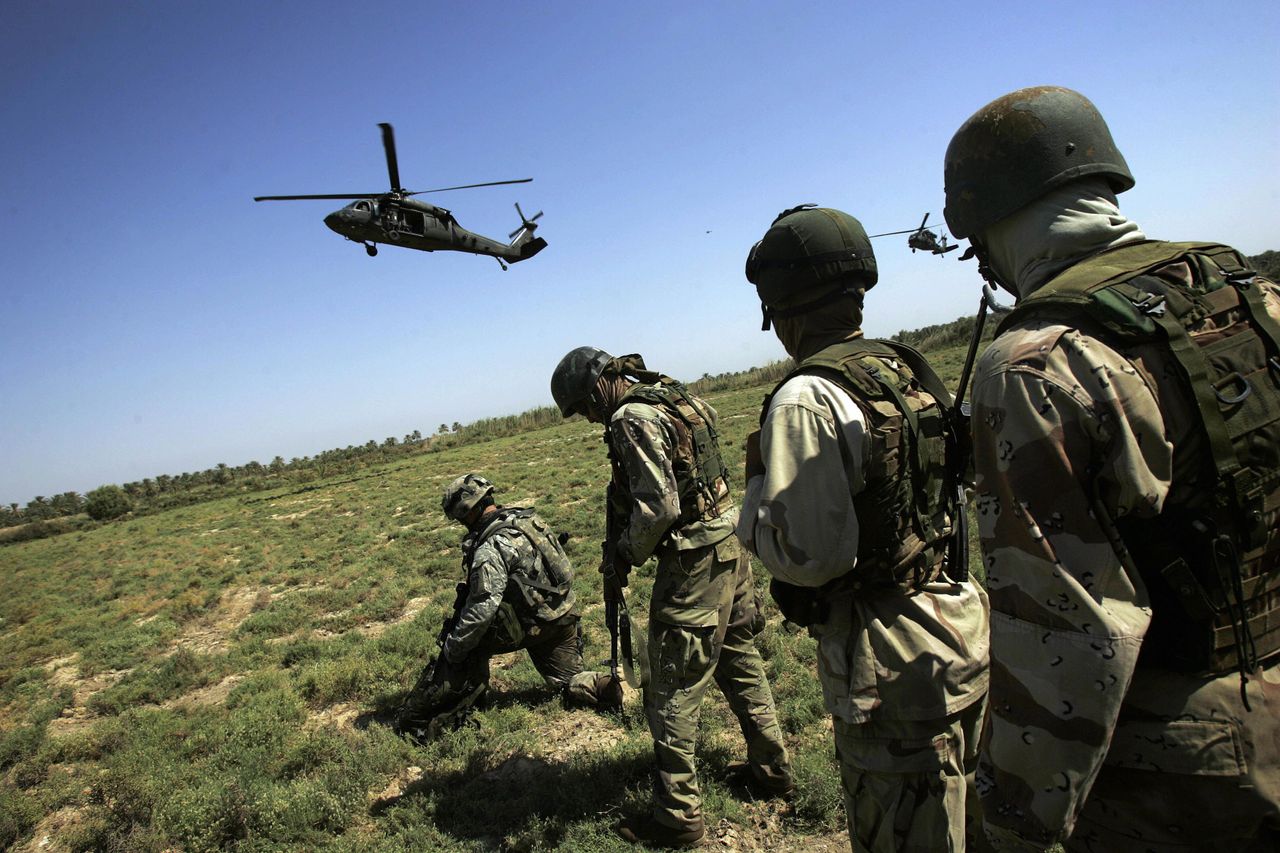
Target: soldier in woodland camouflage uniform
[(671, 500), (850, 503), (518, 596), (1127, 507)]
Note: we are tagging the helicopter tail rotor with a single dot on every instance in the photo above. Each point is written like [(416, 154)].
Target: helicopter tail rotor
[(527, 225)]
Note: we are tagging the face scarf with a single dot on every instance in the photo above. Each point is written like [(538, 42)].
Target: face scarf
[(1074, 221), (805, 334)]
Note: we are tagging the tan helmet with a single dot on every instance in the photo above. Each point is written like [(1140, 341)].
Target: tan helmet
[(464, 494)]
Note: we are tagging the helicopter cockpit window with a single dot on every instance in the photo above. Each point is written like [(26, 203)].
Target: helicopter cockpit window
[(361, 205)]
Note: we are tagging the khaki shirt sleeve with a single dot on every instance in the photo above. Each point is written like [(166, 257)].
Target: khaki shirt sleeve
[(1058, 419), (643, 444), (487, 582), (798, 517)]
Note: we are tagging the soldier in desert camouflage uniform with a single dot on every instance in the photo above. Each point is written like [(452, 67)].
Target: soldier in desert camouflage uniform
[(1135, 688), (850, 503), (671, 500), (518, 595)]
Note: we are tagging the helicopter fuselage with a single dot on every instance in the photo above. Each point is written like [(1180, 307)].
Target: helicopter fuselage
[(397, 219), (412, 224)]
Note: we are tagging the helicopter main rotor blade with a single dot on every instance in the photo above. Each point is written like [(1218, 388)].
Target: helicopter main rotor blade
[(892, 233), (299, 197), (393, 166), (469, 186)]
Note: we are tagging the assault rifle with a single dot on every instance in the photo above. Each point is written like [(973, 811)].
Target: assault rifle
[(450, 622), (616, 616), (961, 466), (417, 716)]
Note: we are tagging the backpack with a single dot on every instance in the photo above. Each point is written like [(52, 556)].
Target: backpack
[(1211, 559), (543, 593), (698, 465)]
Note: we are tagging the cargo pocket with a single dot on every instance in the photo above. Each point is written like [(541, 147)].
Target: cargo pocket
[(691, 587), (1184, 747), (679, 656)]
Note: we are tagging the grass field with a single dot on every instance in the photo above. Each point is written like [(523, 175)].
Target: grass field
[(214, 677)]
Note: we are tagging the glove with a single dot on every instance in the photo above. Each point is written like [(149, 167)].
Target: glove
[(754, 464), (799, 604)]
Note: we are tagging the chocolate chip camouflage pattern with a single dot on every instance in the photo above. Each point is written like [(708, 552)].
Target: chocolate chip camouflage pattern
[(1085, 740), (702, 613), (646, 444)]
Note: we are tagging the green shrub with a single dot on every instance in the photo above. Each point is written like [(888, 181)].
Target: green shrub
[(18, 813), (107, 502)]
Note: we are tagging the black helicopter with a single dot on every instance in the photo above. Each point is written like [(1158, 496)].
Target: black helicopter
[(923, 239), (396, 219)]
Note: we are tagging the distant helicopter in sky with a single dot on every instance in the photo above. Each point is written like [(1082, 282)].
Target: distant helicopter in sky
[(923, 239), (395, 219)]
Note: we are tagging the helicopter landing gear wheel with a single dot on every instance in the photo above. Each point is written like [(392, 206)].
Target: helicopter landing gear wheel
[(370, 250)]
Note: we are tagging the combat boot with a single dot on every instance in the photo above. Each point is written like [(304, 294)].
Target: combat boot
[(765, 785), (645, 830)]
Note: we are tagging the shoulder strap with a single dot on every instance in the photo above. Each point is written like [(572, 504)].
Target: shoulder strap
[(1078, 284), (1123, 262)]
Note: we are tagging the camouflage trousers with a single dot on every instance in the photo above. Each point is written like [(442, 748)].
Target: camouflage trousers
[(683, 661), (1189, 768), (449, 689), (905, 781)]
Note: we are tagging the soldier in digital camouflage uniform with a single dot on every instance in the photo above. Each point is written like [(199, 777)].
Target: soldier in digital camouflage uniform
[(672, 501), (1135, 689), (850, 504), (519, 595)]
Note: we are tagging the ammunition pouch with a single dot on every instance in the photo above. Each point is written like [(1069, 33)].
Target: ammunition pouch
[(506, 632)]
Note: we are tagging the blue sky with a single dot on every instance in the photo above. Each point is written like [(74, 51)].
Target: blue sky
[(156, 320)]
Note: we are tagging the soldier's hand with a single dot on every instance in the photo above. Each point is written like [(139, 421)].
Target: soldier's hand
[(755, 464)]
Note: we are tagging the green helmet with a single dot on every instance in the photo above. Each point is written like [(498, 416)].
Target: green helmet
[(807, 257), (575, 377), (1018, 147), (464, 494)]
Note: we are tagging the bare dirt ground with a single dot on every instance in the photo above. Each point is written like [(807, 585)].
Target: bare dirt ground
[(50, 834)]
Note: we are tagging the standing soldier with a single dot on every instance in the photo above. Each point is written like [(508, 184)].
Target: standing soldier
[(851, 503), (518, 594), (1127, 451), (670, 499)]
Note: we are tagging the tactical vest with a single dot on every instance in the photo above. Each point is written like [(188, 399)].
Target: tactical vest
[(906, 508), (538, 594), (1211, 559), (698, 466)]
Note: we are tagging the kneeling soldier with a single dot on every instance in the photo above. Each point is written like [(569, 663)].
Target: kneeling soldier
[(517, 595)]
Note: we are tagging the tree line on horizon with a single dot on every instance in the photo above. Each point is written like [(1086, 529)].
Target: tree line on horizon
[(46, 516)]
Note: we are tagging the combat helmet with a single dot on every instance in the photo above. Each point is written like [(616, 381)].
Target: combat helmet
[(464, 494), (1018, 147), (575, 377), (809, 256)]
